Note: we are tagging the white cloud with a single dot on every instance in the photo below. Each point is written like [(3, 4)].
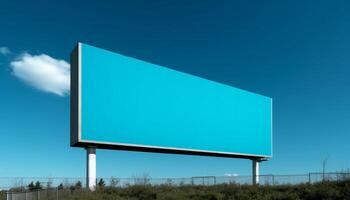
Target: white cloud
[(228, 174), (43, 72), (4, 51)]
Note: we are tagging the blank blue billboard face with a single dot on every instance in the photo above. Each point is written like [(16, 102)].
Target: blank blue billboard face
[(119, 102)]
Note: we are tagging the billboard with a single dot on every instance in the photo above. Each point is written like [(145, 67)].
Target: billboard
[(119, 102)]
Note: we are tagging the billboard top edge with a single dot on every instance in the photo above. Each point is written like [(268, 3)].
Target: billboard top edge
[(80, 45), (79, 142)]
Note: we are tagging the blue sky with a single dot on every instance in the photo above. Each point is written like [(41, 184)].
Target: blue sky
[(296, 52)]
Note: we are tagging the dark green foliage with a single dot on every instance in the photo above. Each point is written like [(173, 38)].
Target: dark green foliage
[(101, 183), (60, 186), (31, 185), (34, 186), (38, 185), (78, 185), (318, 191), (336, 190)]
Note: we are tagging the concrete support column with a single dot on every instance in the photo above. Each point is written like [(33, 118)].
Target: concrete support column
[(255, 171), (91, 168)]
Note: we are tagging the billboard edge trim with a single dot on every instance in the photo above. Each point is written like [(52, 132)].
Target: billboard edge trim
[(151, 148)]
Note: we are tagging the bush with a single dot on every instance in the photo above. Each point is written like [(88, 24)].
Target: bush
[(324, 190), (34, 186)]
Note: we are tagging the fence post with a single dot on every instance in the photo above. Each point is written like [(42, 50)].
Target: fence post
[(7, 195)]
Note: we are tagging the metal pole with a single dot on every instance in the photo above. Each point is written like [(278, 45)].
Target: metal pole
[(56, 193), (91, 168), (309, 178), (255, 171), (323, 169)]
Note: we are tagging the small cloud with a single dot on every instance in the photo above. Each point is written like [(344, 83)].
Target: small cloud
[(230, 175), (5, 51), (43, 72)]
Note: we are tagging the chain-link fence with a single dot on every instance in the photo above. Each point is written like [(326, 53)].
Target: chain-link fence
[(42, 194), (35, 188)]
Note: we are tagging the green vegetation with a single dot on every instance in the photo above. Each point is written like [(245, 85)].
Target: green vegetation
[(2, 195), (324, 190), (34, 186)]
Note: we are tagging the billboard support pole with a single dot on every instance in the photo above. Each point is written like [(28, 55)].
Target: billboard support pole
[(91, 168), (256, 170)]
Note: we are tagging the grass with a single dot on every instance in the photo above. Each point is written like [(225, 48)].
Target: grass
[(318, 191)]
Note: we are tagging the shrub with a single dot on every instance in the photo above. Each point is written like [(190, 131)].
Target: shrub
[(325, 190)]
